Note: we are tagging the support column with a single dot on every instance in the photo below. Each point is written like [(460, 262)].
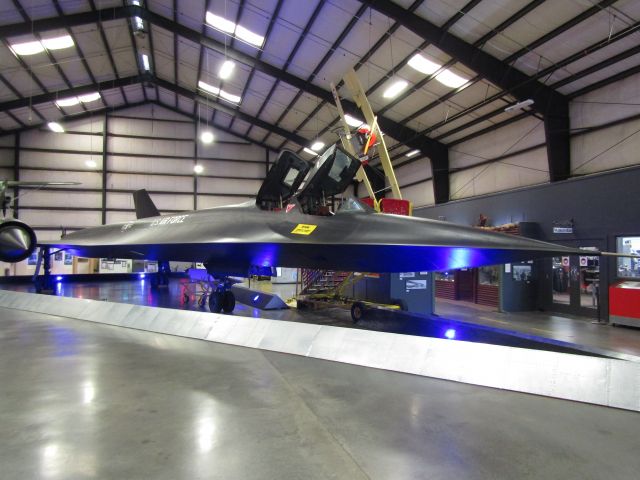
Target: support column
[(439, 158), (556, 129), (16, 173), (105, 134), (195, 162)]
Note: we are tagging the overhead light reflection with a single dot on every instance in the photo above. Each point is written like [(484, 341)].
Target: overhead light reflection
[(395, 88), (55, 127)]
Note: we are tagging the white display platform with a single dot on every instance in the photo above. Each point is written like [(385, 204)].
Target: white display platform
[(601, 381)]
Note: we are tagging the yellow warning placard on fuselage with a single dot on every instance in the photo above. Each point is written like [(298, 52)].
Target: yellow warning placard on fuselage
[(303, 229)]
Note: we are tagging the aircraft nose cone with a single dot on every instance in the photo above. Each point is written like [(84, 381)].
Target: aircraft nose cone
[(17, 242), (14, 238)]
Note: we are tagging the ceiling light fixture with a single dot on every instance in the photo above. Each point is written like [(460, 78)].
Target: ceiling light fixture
[(71, 101), (55, 127), (309, 151), (221, 93), (519, 106), (91, 163), (206, 137), (412, 153), (226, 69), (450, 79), (317, 146), (89, 97), (248, 36), (67, 102), (139, 23), (423, 64), (394, 89), (58, 43), (354, 122), (197, 169), (38, 46), (145, 62), (240, 32)]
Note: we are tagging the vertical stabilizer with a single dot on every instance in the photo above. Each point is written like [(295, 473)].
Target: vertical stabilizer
[(144, 205)]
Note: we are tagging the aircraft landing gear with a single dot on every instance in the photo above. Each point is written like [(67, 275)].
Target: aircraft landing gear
[(160, 279), (222, 298), (43, 283), (224, 301)]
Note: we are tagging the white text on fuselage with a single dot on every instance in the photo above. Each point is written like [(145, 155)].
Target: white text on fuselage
[(168, 220)]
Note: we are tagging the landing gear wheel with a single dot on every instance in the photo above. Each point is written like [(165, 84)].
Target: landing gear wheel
[(216, 302), (228, 302), (357, 312)]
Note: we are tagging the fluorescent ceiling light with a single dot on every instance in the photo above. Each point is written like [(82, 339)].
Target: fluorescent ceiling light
[(89, 97), (249, 37), (317, 146), (71, 101), (309, 151), (206, 137), (208, 88), (230, 97), (226, 69), (423, 64), (27, 48), (216, 91), (67, 102), (239, 31), (450, 79), (91, 163), (139, 23), (55, 127), (394, 89), (135, 2), (198, 168), (145, 62), (220, 23), (58, 43), (519, 106), (412, 153), (353, 122)]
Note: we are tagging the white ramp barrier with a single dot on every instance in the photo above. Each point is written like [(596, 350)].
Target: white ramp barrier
[(601, 381)]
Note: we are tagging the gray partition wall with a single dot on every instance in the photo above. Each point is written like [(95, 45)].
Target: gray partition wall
[(600, 206)]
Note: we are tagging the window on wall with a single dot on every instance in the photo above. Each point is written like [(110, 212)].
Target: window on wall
[(489, 275), (448, 276), (628, 267)]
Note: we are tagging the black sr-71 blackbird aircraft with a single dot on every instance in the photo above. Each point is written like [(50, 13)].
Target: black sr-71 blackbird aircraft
[(285, 227)]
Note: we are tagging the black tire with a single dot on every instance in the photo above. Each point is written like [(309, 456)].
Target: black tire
[(357, 312), (228, 302), (215, 302)]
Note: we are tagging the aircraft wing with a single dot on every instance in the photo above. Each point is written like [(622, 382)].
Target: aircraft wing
[(233, 239)]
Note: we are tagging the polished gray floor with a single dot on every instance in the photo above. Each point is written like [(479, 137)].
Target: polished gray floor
[(79, 400)]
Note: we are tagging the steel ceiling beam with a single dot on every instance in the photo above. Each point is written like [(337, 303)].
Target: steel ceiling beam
[(71, 92), (553, 105), (392, 128)]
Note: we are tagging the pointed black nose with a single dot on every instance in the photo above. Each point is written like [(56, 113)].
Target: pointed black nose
[(17, 241)]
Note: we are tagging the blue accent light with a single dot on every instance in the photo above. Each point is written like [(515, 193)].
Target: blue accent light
[(141, 276), (255, 299), (450, 334), (59, 278)]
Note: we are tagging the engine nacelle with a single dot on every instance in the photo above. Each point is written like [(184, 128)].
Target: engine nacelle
[(17, 240)]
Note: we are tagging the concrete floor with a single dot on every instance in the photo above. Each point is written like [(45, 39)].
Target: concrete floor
[(81, 400), (567, 328)]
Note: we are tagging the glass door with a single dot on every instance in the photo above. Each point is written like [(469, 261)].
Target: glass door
[(575, 283)]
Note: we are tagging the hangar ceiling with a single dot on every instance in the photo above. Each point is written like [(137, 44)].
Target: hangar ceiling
[(455, 65)]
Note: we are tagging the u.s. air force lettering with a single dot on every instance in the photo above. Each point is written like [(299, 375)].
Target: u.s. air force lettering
[(168, 220)]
